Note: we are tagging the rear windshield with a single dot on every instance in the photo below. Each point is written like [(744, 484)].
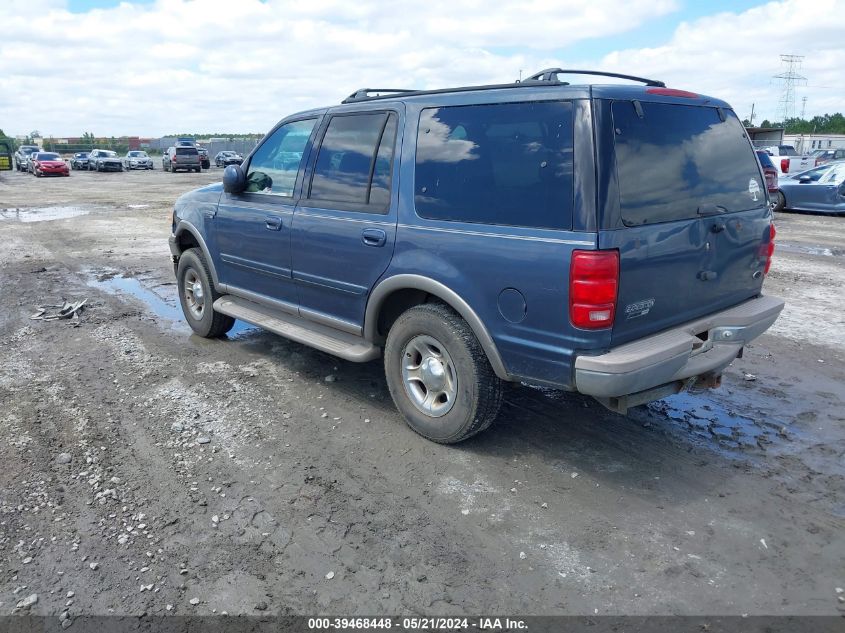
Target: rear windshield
[(675, 162), (765, 159), (186, 151), (787, 150)]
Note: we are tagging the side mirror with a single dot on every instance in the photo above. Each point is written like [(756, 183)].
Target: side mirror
[(805, 179), (234, 179)]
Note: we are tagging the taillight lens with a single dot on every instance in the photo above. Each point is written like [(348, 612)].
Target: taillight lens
[(784, 165), (769, 249), (593, 286)]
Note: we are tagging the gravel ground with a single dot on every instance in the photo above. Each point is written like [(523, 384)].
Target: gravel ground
[(148, 471)]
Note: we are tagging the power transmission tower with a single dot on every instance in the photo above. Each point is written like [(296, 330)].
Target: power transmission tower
[(790, 77), (803, 107)]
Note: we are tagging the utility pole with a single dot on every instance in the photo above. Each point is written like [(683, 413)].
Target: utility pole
[(751, 118), (790, 77)]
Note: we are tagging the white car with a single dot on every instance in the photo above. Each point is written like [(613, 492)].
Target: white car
[(137, 160), (787, 160)]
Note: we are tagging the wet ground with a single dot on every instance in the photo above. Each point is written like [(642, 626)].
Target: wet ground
[(146, 470)]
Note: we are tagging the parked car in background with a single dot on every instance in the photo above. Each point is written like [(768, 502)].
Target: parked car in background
[(104, 160), (48, 164), (788, 161), (821, 156), (820, 189), (79, 160), (227, 157), (179, 157), (770, 173), (205, 163), (490, 259), (137, 159), (22, 156)]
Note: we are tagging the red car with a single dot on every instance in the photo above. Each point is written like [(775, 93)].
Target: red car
[(770, 172), (49, 164)]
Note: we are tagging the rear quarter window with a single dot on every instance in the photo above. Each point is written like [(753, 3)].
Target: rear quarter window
[(505, 164), (675, 160)]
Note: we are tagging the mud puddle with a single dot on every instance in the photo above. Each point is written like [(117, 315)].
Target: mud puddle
[(42, 214), (161, 299), (723, 427)]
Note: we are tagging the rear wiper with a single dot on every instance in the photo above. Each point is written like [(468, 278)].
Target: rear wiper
[(711, 209)]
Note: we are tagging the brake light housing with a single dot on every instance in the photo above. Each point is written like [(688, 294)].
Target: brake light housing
[(672, 92), (769, 249), (593, 288), (784, 165)]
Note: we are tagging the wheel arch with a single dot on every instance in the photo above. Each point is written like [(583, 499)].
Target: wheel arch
[(395, 294), (187, 236)]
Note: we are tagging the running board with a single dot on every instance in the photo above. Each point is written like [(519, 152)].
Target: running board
[(321, 337)]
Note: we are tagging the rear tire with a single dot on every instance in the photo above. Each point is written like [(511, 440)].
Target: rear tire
[(197, 296), (439, 376), (780, 201)]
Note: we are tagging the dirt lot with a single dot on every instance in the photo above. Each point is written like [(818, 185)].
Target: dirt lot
[(145, 470)]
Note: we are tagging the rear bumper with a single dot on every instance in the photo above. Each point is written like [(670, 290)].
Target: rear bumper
[(677, 354)]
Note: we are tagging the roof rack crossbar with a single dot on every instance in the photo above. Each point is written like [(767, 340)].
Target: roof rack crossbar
[(550, 74), (364, 93)]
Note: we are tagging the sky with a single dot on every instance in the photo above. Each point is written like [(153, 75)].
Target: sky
[(156, 67)]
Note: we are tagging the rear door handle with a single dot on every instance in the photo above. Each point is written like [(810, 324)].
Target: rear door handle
[(273, 222), (374, 237)]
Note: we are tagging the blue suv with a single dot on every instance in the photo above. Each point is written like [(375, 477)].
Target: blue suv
[(605, 239)]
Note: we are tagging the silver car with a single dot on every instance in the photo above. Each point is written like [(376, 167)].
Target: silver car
[(137, 159), (821, 189)]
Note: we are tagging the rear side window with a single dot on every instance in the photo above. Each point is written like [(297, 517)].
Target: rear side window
[(354, 163), (674, 162), (508, 164)]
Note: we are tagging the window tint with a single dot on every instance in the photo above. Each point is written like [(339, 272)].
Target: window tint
[(186, 151), (677, 159), (275, 164), (356, 151), (507, 164)]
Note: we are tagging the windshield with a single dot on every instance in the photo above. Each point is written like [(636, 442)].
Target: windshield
[(137, 154), (29, 150), (675, 160), (47, 156), (107, 153)]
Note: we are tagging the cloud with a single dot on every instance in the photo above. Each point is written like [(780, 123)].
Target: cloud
[(219, 65), (735, 56)]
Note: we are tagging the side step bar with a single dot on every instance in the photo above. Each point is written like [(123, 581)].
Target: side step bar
[(321, 337)]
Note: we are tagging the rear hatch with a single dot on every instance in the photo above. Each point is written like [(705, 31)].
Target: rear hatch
[(693, 215), (187, 156)]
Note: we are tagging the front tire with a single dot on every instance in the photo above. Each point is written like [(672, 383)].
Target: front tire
[(197, 296), (439, 376)]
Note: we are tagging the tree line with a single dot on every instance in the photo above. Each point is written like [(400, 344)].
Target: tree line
[(819, 124)]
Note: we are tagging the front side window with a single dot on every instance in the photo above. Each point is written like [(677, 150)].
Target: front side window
[(354, 163), (508, 164), (274, 166)]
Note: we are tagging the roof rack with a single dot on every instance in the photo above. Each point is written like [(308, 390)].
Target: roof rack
[(364, 93), (550, 75)]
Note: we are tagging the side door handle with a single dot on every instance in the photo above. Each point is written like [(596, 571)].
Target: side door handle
[(374, 237), (273, 223)]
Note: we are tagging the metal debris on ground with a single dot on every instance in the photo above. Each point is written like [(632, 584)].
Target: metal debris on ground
[(64, 310)]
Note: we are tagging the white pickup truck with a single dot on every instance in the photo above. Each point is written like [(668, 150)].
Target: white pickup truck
[(787, 160)]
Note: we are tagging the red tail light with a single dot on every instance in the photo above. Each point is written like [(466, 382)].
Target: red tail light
[(769, 249), (784, 165), (593, 286)]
